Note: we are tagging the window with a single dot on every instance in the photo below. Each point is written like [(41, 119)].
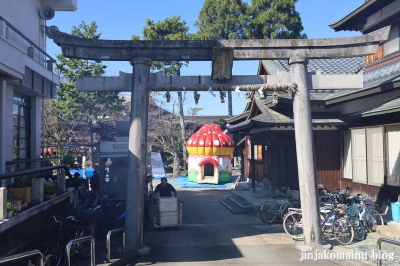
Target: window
[(21, 114), (258, 152), (258, 149), (359, 161), (393, 155), (375, 159), (367, 156)]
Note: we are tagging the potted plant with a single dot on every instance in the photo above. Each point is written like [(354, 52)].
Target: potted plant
[(50, 192), (22, 189), (10, 209)]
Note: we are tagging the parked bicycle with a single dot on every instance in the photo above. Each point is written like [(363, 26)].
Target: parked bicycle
[(271, 209), (363, 208), (64, 231), (333, 222)]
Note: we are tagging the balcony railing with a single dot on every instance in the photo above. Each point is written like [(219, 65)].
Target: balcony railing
[(48, 62)]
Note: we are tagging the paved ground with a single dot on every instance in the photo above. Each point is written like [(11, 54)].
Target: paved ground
[(211, 235)]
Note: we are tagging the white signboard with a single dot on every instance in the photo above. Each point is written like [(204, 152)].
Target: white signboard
[(157, 166)]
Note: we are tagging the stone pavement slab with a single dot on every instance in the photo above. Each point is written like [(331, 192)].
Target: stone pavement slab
[(212, 235)]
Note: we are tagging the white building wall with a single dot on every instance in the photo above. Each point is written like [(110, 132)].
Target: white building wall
[(6, 129), (23, 15)]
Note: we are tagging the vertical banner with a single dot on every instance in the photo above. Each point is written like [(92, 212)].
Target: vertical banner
[(157, 166)]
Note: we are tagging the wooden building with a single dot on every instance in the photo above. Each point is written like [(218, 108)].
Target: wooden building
[(356, 132)]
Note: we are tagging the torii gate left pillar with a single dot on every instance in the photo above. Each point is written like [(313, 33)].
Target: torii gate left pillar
[(137, 150)]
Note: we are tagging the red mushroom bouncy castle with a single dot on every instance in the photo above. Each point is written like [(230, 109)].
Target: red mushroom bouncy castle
[(210, 151)]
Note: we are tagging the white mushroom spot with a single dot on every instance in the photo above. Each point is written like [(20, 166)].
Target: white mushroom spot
[(201, 142), (216, 142), (230, 143), (190, 141)]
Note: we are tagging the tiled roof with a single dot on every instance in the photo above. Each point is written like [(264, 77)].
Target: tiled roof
[(382, 71), (274, 118), (328, 66), (379, 72), (387, 107)]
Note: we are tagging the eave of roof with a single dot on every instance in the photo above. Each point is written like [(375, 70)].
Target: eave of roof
[(273, 118), (357, 18), (385, 84), (388, 107), (237, 117)]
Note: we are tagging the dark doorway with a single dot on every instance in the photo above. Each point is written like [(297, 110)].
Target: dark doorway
[(208, 169), (284, 164)]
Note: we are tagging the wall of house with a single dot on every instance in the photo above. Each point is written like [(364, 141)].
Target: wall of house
[(380, 14), (327, 157), (279, 162)]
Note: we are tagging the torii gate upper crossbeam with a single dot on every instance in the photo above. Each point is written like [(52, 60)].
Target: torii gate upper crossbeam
[(113, 50)]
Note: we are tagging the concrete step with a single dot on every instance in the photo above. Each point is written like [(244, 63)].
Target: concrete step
[(231, 206), (390, 230), (385, 246), (246, 207), (245, 185)]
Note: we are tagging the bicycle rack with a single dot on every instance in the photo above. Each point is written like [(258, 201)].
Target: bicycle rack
[(23, 255), (109, 241), (80, 240), (379, 242)]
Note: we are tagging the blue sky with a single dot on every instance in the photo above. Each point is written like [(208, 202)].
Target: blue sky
[(121, 19)]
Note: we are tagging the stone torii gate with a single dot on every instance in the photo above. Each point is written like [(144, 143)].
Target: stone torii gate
[(221, 53)]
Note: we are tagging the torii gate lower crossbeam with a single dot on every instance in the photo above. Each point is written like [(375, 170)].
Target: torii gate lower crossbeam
[(142, 52)]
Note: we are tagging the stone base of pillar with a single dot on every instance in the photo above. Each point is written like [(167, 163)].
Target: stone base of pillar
[(37, 190), (144, 250), (61, 186), (303, 247)]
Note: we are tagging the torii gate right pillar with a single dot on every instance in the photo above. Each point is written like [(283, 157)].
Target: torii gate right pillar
[(305, 152)]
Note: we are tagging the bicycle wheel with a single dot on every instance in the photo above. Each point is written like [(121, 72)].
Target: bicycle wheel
[(293, 225), (283, 209), (372, 219), (267, 213), (343, 230), (84, 248), (377, 216), (52, 253), (359, 229)]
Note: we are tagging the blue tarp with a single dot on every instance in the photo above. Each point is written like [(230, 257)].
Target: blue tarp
[(183, 180), (88, 172)]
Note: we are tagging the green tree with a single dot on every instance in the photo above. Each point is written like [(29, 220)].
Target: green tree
[(82, 108), (222, 19), (274, 19), (168, 29), (235, 19)]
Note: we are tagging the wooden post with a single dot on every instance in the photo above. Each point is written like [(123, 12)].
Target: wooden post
[(305, 152), (253, 170), (137, 154)]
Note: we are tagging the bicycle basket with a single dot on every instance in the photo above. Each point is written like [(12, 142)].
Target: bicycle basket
[(340, 212)]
